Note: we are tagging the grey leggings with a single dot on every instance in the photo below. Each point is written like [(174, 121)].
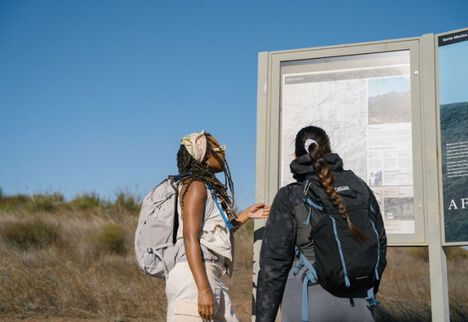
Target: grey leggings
[(323, 306)]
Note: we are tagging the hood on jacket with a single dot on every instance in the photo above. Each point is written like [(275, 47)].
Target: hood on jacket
[(303, 167)]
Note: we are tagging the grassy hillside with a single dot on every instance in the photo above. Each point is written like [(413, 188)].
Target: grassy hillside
[(74, 260), (393, 107), (71, 261)]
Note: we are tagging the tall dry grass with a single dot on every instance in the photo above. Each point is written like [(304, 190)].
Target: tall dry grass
[(405, 289), (80, 276), (77, 263), (88, 271)]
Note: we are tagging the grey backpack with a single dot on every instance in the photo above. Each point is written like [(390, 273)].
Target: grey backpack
[(155, 237)]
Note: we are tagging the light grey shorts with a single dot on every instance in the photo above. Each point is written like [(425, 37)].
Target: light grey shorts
[(182, 294), (322, 306)]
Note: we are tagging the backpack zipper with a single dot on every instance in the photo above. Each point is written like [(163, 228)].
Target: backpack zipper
[(378, 244), (343, 264), (378, 251)]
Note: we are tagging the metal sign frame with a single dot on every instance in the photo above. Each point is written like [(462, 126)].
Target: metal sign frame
[(426, 147)]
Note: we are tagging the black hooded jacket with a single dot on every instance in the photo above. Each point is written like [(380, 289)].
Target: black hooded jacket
[(279, 239)]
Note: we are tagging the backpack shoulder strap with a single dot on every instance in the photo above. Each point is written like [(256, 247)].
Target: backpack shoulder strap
[(220, 209), (175, 180), (315, 196), (311, 202)]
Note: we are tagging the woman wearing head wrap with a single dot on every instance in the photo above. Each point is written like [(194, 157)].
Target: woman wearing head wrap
[(194, 288)]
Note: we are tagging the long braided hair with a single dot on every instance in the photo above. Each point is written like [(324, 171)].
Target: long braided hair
[(191, 170), (317, 152)]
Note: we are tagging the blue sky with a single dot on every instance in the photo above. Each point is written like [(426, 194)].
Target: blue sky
[(379, 86), (453, 71), (94, 95)]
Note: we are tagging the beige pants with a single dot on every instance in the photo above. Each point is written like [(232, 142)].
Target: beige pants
[(182, 294)]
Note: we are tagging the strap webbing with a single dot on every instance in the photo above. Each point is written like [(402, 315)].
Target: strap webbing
[(309, 278), (371, 298), (378, 251), (343, 263), (307, 200), (305, 300), (221, 211)]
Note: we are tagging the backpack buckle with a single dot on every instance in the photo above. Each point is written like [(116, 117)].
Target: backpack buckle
[(298, 267), (371, 301)]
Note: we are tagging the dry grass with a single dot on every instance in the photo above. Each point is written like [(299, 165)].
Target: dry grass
[(90, 271), (87, 271), (405, 289), (72, 278)]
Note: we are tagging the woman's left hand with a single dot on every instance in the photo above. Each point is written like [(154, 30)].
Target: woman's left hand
[(258, 211)]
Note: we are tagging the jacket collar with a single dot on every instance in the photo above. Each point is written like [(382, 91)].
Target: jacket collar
[(303, 167)]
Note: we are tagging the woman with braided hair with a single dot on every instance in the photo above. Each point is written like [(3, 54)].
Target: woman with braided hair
[(207, 223), (286, 233)]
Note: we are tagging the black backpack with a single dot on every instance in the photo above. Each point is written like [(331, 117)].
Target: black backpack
[(343, 265)]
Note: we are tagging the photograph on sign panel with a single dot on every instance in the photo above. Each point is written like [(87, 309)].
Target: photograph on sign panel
[(389, 100), (399, 208)]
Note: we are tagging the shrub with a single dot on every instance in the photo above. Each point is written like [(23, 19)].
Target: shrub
[(454, 253), (30, 234), (14, 202), (126, 201), (45, 202), (86, 201), (110, 239)]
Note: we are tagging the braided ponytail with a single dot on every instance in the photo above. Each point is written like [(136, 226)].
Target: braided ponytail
[(326, 178), (318, 146)]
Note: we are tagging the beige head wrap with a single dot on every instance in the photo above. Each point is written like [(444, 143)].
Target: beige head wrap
[(195, 143)]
